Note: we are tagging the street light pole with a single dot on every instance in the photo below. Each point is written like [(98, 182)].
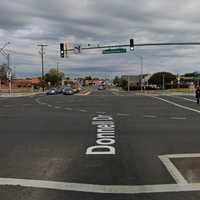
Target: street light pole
[(141, 83), (141, 70)]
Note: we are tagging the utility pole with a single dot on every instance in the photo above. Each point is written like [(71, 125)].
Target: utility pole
[(7, 55), (10, 75), (42, 46)]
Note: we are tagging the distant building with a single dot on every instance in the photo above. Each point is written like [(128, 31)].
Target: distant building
[(21, 84), (135, 80), (93, 82)]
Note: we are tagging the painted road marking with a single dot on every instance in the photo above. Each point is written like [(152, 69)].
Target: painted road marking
[(122, 114), (188, 99), (67, 108), (177, 105), (105, 134), (101, 113), (179, 97), (186, 155), (179, 118), (50, 106), (106, 189), (83, 110), (149, 116), (173, 170), (57, 107)]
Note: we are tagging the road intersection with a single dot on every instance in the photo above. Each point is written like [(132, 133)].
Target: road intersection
[(43, 140)]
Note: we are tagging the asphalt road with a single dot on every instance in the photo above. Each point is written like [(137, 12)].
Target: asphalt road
[(44, 139)]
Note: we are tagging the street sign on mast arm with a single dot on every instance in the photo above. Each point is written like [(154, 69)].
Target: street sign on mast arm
[(118, 50)]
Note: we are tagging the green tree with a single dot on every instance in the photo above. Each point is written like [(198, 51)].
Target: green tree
[(116, 81), (54, 77), (169, 79), (123, 83), (3, 71)]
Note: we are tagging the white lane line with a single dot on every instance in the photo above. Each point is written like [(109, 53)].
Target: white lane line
[(122, 114), (67, 108), (149, 116), (106, 189), (101, 113), (57, 107), (50, 106), (173, 170), (177, 105), (178, 118), (83, 110)]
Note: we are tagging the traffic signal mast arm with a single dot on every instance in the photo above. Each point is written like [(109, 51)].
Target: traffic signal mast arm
[(139, 45)]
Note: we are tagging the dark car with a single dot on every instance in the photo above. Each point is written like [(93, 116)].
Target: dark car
[(68, 91), (59, 90), (52, 91)]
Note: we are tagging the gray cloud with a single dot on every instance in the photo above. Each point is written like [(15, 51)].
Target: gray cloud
[(25, 23)]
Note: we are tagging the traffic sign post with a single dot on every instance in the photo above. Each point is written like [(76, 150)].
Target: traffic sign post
[(9, 76), (117, 50)]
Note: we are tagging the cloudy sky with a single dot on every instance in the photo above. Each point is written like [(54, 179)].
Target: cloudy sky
[(26, 23)]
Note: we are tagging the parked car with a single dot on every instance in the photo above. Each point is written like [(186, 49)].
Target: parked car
[(52, 91), (59, 90), (68, 91), (101, 87)]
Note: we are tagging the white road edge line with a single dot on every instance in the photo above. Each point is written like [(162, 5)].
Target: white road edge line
[(109, 189), (177, 105), (173, 170), (188, 99), (179, 97)]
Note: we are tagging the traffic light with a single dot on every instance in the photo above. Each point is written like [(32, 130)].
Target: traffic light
[(132, 44), (62, 50)]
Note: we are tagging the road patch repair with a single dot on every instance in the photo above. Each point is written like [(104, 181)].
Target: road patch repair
[(105, 136)]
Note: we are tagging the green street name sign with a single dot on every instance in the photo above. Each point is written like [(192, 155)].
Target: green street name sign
[(118, 50)]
